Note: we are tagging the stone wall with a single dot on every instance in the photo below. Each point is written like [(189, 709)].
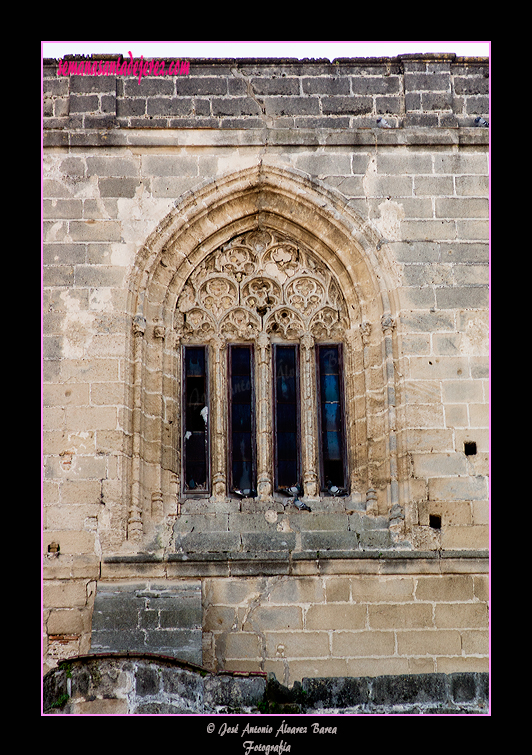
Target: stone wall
[(428, 90), (136, 684), (141, 183)]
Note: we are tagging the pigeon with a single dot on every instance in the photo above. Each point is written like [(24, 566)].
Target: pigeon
[(336, 491), (382, 123), (246, 493), (481, 122), (294, 491)]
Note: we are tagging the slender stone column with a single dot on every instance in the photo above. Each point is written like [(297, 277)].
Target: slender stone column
[(309, 418), (134, 522), (264, 423), (217, 421)]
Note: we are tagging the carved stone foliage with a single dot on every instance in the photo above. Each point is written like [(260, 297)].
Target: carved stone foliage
[(261, 282)]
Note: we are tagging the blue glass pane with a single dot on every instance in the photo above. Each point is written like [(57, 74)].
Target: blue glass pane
[(331, 418), (330, 388), (194, 361), (329, 363), (332, 446)]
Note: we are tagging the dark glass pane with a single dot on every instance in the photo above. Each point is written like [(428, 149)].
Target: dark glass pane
[(240, 360), (241, 389), (332, 440), (242, 475), (241, 417), (195, 447), (334, 471), (286, 446), (287, 473), (195, 430), (286, 416), (241, 445), (194, 361), (286, 374)]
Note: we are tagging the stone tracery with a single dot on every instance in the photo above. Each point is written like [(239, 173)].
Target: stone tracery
[(261, 281), (261, 287)]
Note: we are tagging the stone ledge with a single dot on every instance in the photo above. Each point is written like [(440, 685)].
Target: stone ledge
[(298, 563), (58, 134)]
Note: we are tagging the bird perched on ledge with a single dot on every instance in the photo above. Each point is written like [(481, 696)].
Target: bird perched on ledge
[(246, 493), (481, 122), (382, 123), (294, 491), (336, 491)]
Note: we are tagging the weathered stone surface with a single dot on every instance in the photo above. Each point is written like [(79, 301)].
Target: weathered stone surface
[(140, 685), (146, 186)]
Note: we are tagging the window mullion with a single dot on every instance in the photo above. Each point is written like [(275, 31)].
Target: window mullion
[(263, 389), (309, 426), (218, 421)]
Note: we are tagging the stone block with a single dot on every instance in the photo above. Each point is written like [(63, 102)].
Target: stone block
[(362, 644), (461, 615), (463, 297), (268, 541), (233, 692), (95, 230), (400, 616), (109, 165), (434, 642), (355, 105), (326, 540), (325, 85), (145, 618), (169, 106), (170, 165), (409, 688), (335, 693), (458, 488), (307, 644), (336, 616), (209, 542), (118, 187)]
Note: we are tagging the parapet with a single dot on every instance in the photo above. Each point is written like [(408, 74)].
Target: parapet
[(111, 92)]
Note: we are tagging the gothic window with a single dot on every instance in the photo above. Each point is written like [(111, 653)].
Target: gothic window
[(261, 322)]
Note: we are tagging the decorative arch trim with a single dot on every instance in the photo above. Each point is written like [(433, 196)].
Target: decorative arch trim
[(292, 205)]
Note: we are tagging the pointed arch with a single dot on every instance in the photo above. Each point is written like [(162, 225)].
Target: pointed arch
[(295, 206)]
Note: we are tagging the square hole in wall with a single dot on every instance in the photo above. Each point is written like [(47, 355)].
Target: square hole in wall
[(435, 521), (470, 448)]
